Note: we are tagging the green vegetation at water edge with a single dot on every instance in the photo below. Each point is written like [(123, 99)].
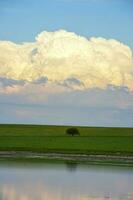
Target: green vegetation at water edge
[(39, 138)]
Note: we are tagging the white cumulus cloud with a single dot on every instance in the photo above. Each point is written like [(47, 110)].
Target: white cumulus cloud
[(67, 60)]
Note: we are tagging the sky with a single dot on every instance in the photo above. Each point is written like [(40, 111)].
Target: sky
[(66, 62)]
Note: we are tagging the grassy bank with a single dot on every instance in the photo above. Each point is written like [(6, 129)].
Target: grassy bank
[(53, 139), (71, 164)]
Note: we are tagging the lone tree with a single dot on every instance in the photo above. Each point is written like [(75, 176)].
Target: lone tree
[(72, 131)]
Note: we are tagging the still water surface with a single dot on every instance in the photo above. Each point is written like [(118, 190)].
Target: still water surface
[(65, 182)]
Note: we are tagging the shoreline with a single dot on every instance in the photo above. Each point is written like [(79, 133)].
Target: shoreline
[(91, 158)]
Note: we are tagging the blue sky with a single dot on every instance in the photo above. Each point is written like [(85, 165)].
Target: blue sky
[(61, 78), (23, 20)]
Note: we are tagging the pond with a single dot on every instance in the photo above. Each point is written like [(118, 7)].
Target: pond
[(68, 181)]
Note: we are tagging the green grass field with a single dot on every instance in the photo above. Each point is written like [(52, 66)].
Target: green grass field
[(53, 139)]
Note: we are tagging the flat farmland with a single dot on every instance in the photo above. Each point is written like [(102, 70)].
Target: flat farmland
[(43, 138)]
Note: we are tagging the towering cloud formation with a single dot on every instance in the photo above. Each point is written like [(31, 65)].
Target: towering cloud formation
[(66, 60)]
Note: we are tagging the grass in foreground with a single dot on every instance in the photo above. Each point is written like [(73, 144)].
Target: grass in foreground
[(53, 139)]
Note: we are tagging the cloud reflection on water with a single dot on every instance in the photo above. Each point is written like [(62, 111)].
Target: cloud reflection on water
[(60, 183), (12, 192)]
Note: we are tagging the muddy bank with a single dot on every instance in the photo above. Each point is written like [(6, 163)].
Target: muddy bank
[(68, 157)]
